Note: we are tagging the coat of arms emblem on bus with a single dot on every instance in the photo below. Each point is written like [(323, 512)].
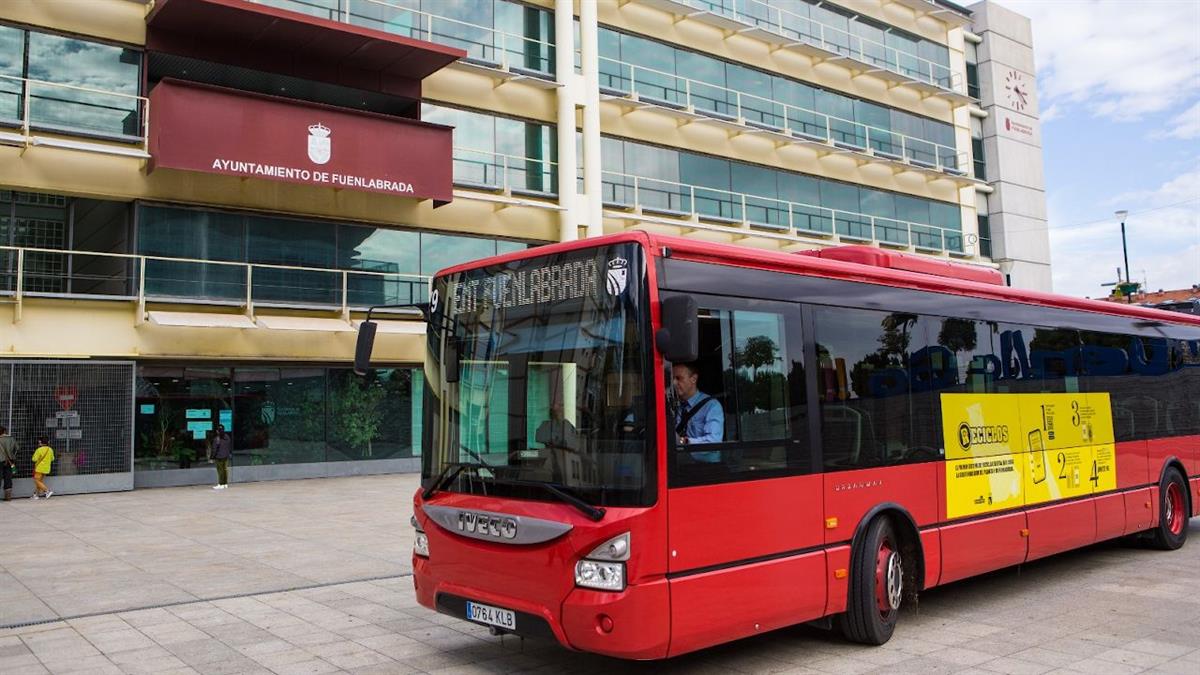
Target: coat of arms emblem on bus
[(618, 276), (319, 144)]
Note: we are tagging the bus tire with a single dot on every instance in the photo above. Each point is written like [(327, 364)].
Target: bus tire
[(876, 586), (1173, 512)]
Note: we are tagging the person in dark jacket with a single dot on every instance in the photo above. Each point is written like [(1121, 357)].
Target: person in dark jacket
[(8, 461), (222, 449)]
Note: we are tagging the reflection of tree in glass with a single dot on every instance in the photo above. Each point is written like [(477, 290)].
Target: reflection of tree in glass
[(356, 417), (958, 335), (892, 352), (758, 351), (761, 390)]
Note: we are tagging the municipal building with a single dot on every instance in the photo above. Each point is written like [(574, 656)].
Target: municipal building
[(200, 198)]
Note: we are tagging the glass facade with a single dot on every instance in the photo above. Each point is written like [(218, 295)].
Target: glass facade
[(843, 31), (382, 265), (978, 161), (36, 220), (496, 152), (275, 414), (659, 72), (674, 181), (494, 32), (75, 85)]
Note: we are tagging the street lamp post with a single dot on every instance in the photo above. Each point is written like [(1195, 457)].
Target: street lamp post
[(1125, 250)]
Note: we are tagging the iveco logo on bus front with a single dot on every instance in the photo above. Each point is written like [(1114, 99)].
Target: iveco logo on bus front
[(498, 527), (618, 276), (983, 434)]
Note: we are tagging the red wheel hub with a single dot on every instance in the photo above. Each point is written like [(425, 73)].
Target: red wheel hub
[(889, 578), (1174, 516)]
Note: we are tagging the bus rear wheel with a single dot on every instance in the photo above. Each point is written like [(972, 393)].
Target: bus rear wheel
[(876, 586), (1173, 512)]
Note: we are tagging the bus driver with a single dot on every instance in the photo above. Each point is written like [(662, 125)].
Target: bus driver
[(699, 417)]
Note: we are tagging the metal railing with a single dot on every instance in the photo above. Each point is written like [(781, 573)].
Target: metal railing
[(35, 105), (43, 272), (489, 170), (809, 31), (485, 44), (660, 87), (794, 218)]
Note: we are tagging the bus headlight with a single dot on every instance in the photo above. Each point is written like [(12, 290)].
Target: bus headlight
[(420, 541), (604, 568)]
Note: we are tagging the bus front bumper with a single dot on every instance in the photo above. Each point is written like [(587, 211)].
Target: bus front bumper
[(632, 624)]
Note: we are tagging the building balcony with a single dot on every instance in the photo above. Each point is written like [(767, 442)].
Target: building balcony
[(824, 43), (34, 113), (498, 53), (164, 289), (509, 175), (636, 87), (942, 11), (637, 199)]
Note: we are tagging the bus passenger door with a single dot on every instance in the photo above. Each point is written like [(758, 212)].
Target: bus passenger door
[(744, 505)]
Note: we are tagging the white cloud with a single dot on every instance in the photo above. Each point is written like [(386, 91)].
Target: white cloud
[(1185, 125), (1163, 234), (1116, 59)]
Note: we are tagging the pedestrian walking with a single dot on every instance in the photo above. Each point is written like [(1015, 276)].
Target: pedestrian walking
[(43, 458), (8, 461), (222, 449)]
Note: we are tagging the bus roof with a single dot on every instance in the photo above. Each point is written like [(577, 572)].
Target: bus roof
[(804, 262)]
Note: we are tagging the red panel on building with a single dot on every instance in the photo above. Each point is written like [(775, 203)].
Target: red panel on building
[(214, 130)]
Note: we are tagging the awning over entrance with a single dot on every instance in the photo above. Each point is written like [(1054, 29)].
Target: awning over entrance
[(252, 35)]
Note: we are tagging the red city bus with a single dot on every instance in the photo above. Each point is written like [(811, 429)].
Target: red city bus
[(642, 446)]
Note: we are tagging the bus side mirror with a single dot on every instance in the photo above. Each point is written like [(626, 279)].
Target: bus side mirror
[(679, 338), (366, 343)]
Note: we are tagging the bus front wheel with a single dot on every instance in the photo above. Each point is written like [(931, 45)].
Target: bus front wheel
[(1173, 512), (876, 586)]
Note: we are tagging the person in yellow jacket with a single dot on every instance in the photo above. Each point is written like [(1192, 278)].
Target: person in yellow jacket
[(43, 457)]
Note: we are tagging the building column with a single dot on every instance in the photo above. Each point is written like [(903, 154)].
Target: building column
[(592, 166), (564, 71)]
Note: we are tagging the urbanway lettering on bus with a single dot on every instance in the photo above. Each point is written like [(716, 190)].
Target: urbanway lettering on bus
[(552, 283), (310, 176)]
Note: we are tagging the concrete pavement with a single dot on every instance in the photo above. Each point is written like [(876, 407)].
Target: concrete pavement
[(312, 577)]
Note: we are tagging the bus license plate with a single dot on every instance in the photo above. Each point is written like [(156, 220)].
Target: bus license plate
[(504, 618)]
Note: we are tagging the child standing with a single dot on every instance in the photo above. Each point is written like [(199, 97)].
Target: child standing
[(43, 457)]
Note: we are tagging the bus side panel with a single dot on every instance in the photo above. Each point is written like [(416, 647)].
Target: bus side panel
[(837, 563), (1110, 516), (1158, 450), (1139, 510), (728, 522), (1132, 470), (1196, 497), (982, 546), (724, 605), (849, 495), (1061, 527), (1189, 452), (931, 544)]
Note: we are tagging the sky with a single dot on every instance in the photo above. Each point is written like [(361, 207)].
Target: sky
[(1119, 89)]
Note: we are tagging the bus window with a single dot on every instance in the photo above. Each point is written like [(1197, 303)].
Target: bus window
[(735, 409), (874, 379), (1038, 360)]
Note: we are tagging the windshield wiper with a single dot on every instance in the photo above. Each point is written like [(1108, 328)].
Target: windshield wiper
[(592, 512), (452, 469)]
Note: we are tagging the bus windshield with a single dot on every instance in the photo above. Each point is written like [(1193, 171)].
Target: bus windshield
[(536, 376)]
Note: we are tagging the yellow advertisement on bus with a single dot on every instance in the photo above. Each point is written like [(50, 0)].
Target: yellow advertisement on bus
[(1009, 450)]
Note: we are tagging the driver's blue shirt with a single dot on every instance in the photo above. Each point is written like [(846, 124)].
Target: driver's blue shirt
[(706, 426)]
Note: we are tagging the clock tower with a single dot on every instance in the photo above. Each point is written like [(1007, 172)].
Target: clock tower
[(1006, 120)]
